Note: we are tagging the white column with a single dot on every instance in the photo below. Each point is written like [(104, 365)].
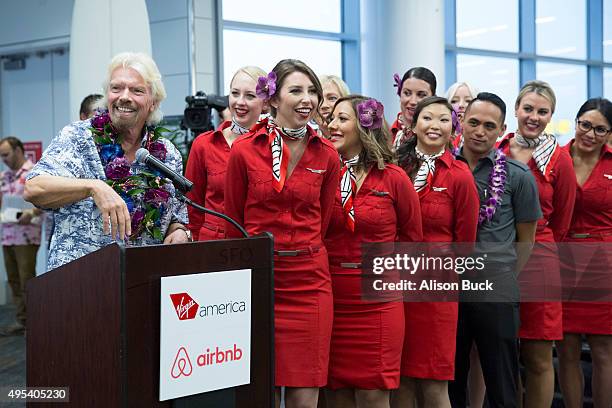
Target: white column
[(395, 36), (100, 30)]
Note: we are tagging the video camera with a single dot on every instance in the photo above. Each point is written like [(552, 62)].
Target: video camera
[(197, 115)]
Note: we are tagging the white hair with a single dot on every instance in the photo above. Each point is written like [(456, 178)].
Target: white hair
[(146, 67), (454, 87)]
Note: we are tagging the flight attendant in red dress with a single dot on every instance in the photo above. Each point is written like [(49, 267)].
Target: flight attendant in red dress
[(416, 84), (210, 151), (449, 209), (375, 202), (591, 223), (541, 321), (282, 178)]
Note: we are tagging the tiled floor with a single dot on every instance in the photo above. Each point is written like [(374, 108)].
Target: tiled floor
[(12, 357)]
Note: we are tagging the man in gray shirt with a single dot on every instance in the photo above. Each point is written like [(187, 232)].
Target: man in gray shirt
[(506, 232)]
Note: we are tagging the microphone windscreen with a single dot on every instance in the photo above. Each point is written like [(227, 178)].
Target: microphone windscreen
[(141, 155)]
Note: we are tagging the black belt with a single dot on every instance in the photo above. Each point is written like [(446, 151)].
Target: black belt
[(213, 227), (591, 235), (297, 252), (348, 265)]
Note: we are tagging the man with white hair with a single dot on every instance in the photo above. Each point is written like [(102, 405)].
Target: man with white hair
[(89, 176)]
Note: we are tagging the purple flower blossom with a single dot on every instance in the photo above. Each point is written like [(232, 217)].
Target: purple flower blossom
[(266, 86), (398, 83), (156, 196), (370, 114), (158, 149), (117, 169), (456, 123), (137, 218), (99, 121)]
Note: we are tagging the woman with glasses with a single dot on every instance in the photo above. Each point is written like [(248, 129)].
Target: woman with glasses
[(540, 315), (591, 223)]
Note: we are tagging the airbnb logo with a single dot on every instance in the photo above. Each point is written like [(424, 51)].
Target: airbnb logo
[(185, 307), (182, 364)]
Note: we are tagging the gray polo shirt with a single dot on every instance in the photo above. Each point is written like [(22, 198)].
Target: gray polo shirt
[(520, 203)]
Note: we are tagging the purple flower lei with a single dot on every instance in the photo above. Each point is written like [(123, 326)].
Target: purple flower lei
[(370, 114), (497, 182), (266, 86), (145, 193)]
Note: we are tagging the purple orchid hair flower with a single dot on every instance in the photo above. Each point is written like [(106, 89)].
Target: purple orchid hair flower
[(370, 114), (266, 86), (456, 122), (398, 83)]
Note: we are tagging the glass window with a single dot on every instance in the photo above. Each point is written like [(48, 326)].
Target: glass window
[(570, 85), (607, 34), (491, 25), (318, 15), (561, 28), (265, 50), (497, 75), (607, 91)]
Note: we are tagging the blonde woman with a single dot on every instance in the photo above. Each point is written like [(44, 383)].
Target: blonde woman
[(210, 151)]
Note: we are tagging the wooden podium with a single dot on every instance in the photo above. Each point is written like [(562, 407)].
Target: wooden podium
[(93, 324)]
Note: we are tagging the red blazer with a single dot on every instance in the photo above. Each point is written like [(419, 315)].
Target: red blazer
[(386, 210), (299, 215), (593, 209), (557, 192), (450, 207), (206, 167)]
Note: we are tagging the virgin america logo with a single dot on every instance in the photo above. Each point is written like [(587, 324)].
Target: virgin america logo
[(185, 307), (182, 364)]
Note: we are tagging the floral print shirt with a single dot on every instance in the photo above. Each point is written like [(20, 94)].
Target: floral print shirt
[(78, 226)]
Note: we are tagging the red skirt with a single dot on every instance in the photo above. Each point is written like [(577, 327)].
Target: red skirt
[(303, 312), (367, 338), (540, 281), (590, 263), (587, 317), (430, 340)]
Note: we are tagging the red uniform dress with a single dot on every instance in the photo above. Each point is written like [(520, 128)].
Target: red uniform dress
[(540, 278), (298, 217), (367, 337), (592, 222), (449, 209), (206, 167)]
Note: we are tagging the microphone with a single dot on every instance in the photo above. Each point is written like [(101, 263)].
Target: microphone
[(181, 183)]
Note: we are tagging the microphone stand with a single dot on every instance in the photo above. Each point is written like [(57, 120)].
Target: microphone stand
[(188, 201)]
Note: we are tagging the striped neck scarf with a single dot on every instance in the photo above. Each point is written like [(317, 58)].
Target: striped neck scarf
[(403, 134), (545, 146), (280, 151), (422, 181), (348, 187), (237, 129)]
